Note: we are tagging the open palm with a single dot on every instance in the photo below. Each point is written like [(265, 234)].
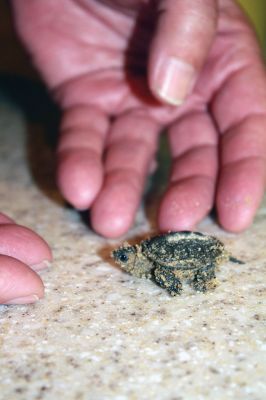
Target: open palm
[(122, 71), (98, 57)]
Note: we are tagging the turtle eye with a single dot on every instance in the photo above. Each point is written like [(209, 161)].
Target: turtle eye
[(123, 257)]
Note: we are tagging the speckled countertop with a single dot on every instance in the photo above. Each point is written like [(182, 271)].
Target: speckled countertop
[(102, 334)]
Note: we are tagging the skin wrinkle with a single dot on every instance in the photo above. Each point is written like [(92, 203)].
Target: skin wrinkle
[(180, 142), (87, 116), (129, 7), (224, 75), (68, 94), (234, 120), (113, 26), (135, 181), (70, 143), (69, 43), (140, 169), (130, 128), (65, 128), (229, 14), (247, 159), (193, 176), (149, 145), (233, 57), (206, 169), (243, 123), (191, 149), (249, 146)]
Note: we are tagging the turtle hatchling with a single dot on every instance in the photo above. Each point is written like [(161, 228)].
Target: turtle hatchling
[(174, 257)]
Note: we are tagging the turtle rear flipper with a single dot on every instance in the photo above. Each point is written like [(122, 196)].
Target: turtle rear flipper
[(205, 278)]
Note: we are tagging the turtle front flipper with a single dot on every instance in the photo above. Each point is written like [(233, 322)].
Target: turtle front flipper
[(205, 278), (166, 278)]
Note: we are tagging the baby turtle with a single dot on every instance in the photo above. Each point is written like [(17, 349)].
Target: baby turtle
[(170, 258)]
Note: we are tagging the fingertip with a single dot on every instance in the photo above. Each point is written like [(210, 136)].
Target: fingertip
[(80, 177), (235, 224), (236, 215), (109, 225), (19, 284), (174, 214), (4, 219), (45, 263), (114, 210), (240, 191), (25, 245), (111, 222), (185, 203)]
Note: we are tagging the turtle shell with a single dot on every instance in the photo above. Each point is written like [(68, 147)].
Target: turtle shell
[(184, 250)]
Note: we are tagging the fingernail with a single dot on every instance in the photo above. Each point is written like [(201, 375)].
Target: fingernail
[(24, 300), (42, 265), (174, 80)]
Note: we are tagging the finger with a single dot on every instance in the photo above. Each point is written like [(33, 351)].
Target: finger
[(80, 170), (242, 180), (19, 284), (243, 146), (190, 195), (4, 219), (25, 245), (183, 37), (131, 149)]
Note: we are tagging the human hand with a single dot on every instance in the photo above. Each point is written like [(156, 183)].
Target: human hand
[(201, 57), (22, 254)]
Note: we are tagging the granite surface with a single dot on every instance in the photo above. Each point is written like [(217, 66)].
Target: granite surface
[(102, 334)]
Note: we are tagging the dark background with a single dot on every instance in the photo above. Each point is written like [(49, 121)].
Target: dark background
[(20, 84)]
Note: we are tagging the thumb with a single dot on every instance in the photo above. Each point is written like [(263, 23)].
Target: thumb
[(184, 34)]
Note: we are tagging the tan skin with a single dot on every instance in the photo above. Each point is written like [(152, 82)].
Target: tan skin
[(108, 58)]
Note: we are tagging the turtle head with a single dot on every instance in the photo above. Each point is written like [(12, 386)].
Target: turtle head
[(125, 256)]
